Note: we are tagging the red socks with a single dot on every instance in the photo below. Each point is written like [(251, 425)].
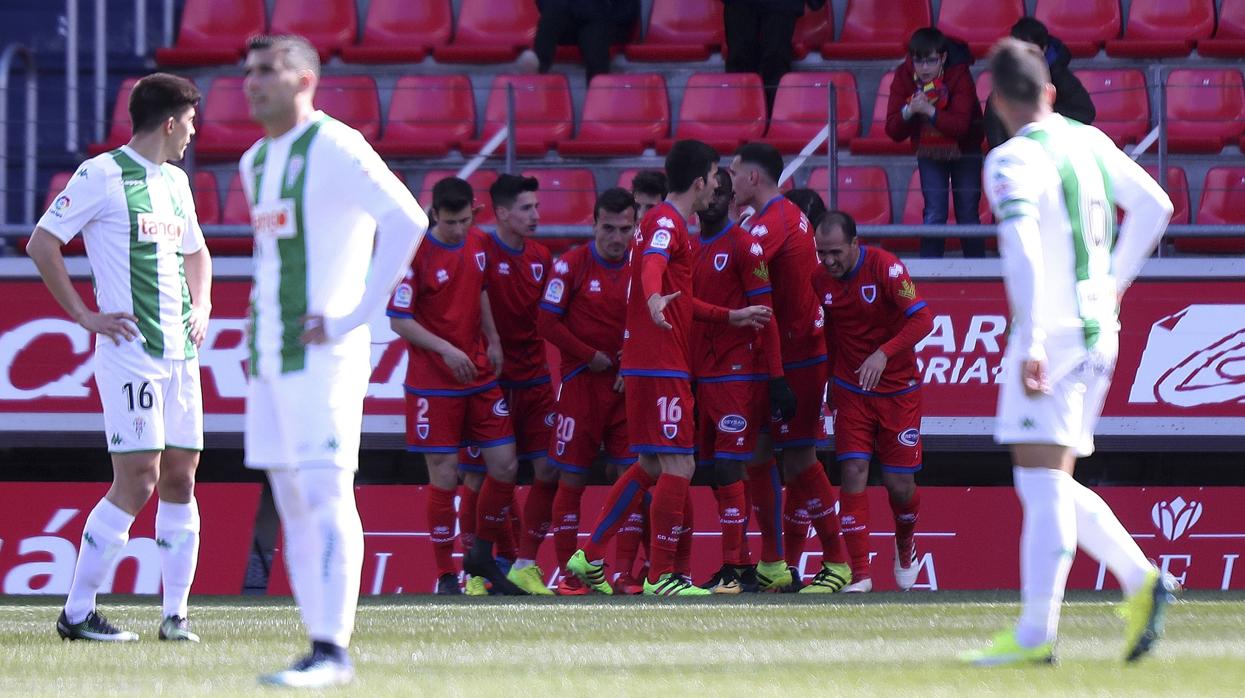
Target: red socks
[(765, 491), (537, 512), (467, 500), (493, 510), (905, 520), (795, 523), (854, 516), (624, 498), (815, 489), (733, 517), (666, 521), (566, 521), (683, 556), (441, 527)]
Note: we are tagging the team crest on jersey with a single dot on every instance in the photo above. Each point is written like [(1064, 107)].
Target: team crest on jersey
[(421, 431), (895, 270), (140, 424), (907, 289), (670, 430), (665, 222), (500, 408), (720, 260), (538, 271), (480, 260), (402, 297), (473, 451), (293, 169), (554, 291), (869, 292), (503, 268), (909, 437), (661, 240), (560, 448), (759, 231)]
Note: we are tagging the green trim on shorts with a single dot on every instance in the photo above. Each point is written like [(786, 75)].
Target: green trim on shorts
[(139, 450), (198, 449)]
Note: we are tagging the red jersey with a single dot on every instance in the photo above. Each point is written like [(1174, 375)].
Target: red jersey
[(441, 291), (728, 271), (515, 280), (791, 253), (589, 294), (650, 350), (867, 309)]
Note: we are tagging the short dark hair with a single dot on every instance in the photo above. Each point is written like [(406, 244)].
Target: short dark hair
[(841, 220), (159, 96), (452, 194), (927, 40), (1031, 30), (687, 161), (764, 156), (505, 191), (613, 200), (810, 202), (650, 182), (1018, 71), (299, 53)]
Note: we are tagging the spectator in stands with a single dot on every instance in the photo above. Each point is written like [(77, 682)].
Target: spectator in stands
[(593, 25), (933, 102), (758, 37), (810, 202), (1071, 98), (649, 188)]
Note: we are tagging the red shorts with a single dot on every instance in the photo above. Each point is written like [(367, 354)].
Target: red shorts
[(730, 414), (886, 426), (659, 414), (471, 460), (531, 413), (589, 415), (439, 423), (808, 382)]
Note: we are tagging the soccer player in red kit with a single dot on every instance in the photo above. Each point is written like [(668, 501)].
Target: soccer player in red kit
[(786, 238), (517, 271), (874, 320), (656, 370), (583, 312), (452, 397), (649, 187)]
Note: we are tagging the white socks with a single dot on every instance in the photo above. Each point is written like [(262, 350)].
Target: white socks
[(1101, 534), (105, 533), (323, 547), (1047, 545), (177, 536)]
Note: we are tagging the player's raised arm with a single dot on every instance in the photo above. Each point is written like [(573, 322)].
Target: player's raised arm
[(1147, 209)]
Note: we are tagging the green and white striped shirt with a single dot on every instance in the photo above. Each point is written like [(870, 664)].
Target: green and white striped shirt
[(137, 220)]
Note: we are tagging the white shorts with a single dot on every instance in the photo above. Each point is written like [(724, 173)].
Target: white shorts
[(1065, 417), (312, 416), (150, 403)]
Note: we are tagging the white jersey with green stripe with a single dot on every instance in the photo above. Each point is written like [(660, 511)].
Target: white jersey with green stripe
[(137, 220), (1067, 178), (315, 192)]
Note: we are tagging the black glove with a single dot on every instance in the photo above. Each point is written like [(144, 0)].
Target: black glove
[(781, 400)]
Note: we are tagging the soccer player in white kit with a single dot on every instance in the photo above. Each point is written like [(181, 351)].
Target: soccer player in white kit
[(153, 280), (334, 232), (1054, 188)]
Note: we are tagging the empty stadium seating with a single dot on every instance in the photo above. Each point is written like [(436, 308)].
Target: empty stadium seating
[(226, 128), (723, 110), (680, 30), (566, 196), (400, 31), (801, 106), (119, 130), (480, 181), (863, 192), (213, 32), (1121, 101), (814, 28), (1229, 38), (352, 100), (236, 211), (1084, 25), (429, 115), (207, 197), (1164, 28), (1177, 186), (981, 24), (327, 24), (876, 142), (1205, 109), (622, 115), (542, 105), (488, 31), (877, 29), (1222, 203)]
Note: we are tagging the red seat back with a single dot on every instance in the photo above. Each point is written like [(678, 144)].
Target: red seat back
[(719, 106), (864, 192), (1231, 23), (1089, 22), (351, 99), (814, 28), (431, 107), (480, 181), (869, 21), (1205, 103), (402, 22), (877, 126), (121, 129), (542, 105), (207, 197), (327, 24), (491, 23), (223, 24), (1170, 19), (566, 196), (1178, 189), (630, 106), (227, 123), (979, 23), (801, 105), (1223, 197), (1121, 101), (236, 211), (685, 22)]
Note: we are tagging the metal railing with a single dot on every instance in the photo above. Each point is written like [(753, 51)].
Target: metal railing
[(32, 118)]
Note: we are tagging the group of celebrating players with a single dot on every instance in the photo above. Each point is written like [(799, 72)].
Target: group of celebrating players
[(677, 351)]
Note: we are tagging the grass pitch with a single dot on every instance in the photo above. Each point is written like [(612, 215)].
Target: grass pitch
[(881, 644)]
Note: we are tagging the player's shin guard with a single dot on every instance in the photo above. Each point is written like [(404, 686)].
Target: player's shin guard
[(566, 521), (177, 536), (733, 517), (854, 521), (624, 499), (468, 499), (819, 497), (666, 521), (339, 558), (795, 525), (493, 510), (441, 528), (906, 514), (537, 513), (106, 531), (683, 555), (765, 491)]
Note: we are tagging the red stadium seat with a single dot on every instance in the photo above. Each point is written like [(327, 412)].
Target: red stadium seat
[(236, 210), (399, 31), (1178, 189), (1164, 28), (863, 192), (1121, 101), (207, 198), (542, 105), (1229, 39), (327, 24), (801, 105), (981, 24), (814, 28), (56, 185), (1223, 203), (876, 142), (721, 109), (428, 116), (1205, 109), (984, 86), (490, 32), (1083, 25), (623, 114), (351, 99), (119, 132), (566, 196), (874, 29), (480, 181), (214, 32), (680, 30), (227, 129)]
